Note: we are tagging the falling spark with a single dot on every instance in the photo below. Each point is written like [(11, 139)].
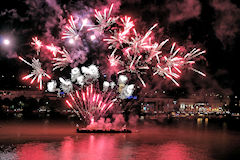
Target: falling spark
[(37, 72)]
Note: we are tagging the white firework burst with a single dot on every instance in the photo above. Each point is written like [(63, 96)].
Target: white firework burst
[(37, 72)]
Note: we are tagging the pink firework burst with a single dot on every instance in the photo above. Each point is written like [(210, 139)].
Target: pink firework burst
[(37, 72), (90, 103), (53, 49), (37, 43), (104, 20)]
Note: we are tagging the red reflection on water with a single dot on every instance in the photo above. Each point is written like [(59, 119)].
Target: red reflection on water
[(89, 147), (174, 151), (35, 152), (99, 146), (67, 149), (167, 151)]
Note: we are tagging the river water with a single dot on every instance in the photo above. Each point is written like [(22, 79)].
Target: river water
[(195, 140)]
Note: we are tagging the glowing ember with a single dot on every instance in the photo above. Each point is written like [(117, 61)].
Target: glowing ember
[(37, 43)]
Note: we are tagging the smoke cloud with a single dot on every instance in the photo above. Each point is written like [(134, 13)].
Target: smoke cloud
[(183, 10), (227, 23)]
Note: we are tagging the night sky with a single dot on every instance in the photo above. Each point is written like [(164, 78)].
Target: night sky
[(211, 25)]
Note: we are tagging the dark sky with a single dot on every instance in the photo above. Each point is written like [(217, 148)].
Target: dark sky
[(212, 25)]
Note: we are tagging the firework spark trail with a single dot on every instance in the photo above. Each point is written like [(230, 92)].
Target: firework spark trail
[(114, 60), (164, 72), (194, 53), (134, 66), (197, 71), (37, 43), (139, 42), (120, 37), (189, 59), (168, 65), (90, 104), (155, 49), (127, 23), (104, 21), (37, 72), (115, 41), (174, 62), (71, 31), (53, 49), (62, 62)]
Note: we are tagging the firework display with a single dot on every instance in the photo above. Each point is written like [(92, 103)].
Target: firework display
[(131, 53), (90, 103)]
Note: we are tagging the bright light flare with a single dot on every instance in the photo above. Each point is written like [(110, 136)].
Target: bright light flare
[(6, 42), (92, 37), (71, 41)]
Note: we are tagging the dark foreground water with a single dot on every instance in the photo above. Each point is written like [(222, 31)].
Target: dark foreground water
[(195, 140)]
